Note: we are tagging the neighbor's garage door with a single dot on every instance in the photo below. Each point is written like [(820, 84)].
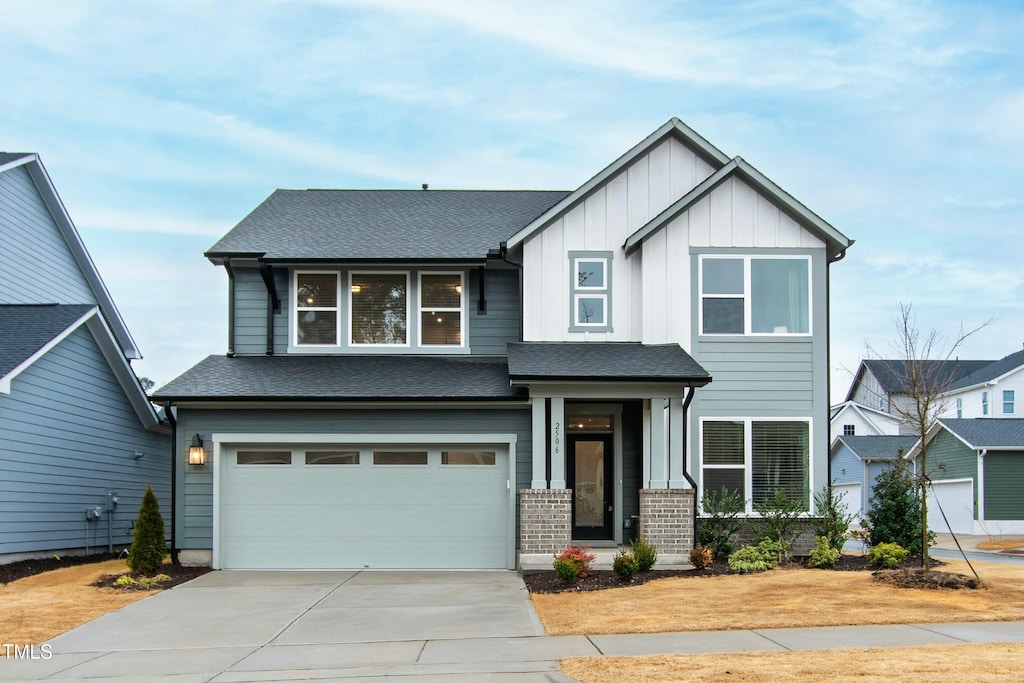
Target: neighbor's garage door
[(358, 507), (849, 495), (957, 502)]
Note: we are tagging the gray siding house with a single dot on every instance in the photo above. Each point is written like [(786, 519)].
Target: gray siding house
[(857, 461), (79, 439), (465, 379)]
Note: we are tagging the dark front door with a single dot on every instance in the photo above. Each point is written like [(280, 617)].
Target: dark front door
[(590, 476)]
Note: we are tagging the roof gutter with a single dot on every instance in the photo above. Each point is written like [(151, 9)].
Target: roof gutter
[(273, 302)]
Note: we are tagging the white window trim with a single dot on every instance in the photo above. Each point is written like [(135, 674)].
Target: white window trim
[(408, 306), (747, 308), (461, 310), (576, 291), (296, 309), (748, 465), (1011, 401)]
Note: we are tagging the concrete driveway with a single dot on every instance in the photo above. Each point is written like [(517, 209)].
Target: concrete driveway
[(264, 626)]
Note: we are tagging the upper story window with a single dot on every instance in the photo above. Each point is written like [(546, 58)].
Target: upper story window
[(1008, 402), (380, 309), (590, 291), (984, 403), (849, 430), (959, 408), (754, 295)]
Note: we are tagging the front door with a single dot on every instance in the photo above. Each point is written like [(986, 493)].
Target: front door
[(590, 476)]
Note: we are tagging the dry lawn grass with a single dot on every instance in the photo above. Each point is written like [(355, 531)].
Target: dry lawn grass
[(40, 607), (976, 662), (1002, 544), (782, 598)]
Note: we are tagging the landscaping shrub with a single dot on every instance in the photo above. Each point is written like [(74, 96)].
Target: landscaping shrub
[(824, 554), (780, 516), (894, 511), (645, 554), (625, 565), (573, 563), (750, 559), (887, 555), (700, 557), (148, 547), (833, 520), (719, 521)]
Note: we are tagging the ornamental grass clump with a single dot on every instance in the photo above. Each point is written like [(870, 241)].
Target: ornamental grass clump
[(573, 563)]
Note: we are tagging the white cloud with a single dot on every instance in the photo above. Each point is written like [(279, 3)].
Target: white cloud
[(97, 218)]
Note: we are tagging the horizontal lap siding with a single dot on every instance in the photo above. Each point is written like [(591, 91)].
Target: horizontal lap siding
[(762, 377), (67, 434), (250, 310), (847, 468), (1004, 474), (195, 528), (490, 332), (36, 265), (958, 461)]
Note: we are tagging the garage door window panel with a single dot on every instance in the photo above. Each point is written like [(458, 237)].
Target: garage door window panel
[(487, 458), (263, 458), (332, 458), (400, 458)]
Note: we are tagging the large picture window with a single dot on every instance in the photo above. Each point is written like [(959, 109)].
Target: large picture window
[(756, 458), (379, 308), (316, 309), (441, 309), (590, 291), (745, 295)]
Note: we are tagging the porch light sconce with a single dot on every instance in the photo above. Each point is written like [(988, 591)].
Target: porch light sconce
[(196, 452)]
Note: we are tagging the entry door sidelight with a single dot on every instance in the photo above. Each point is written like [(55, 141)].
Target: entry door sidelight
[(590, 476)]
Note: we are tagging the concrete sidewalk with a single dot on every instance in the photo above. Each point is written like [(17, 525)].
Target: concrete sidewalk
[(415, 627)]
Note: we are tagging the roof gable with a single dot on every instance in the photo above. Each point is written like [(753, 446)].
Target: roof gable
[(738, 168), (673, 128), (992, 372), (48, 194), (877, 447), (986, 433)]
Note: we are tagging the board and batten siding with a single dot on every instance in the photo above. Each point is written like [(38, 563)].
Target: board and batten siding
[(195, 494), (1004, 473), (36, 265), (67, 436), (602, 222)]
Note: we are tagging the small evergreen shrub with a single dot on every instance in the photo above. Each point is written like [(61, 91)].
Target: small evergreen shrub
[(148, 547), (645, 554), (824, 555), (573, 563), (887, 555), (776, 552), (701, 557), (719, 521), (780, 516), (626, 565), (833, 520), (894, 513), (749, 559)]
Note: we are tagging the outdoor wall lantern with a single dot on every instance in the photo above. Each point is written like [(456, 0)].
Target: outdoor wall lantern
[(196, 452)]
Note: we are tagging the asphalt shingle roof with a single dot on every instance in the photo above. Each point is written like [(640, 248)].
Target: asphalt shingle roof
[(343, 378), (878, 447), (892, 374), (605, 361), (990, 371), (383, 224), (982, 432), (25, 329)]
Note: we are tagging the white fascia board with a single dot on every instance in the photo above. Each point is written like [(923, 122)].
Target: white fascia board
[(6, 380), (673, 126), (915, 450), (20, 161), (327, 438), (140, 402), (74, 241)]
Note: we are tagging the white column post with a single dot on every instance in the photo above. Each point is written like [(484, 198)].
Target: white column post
[(539, 478), (557, 443), (676, 448), (659, 463)]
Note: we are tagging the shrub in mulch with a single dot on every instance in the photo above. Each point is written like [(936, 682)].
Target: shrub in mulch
[(906, 577), (169, 577)]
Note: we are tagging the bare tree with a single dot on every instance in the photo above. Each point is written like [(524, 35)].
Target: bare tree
[(924, 366)]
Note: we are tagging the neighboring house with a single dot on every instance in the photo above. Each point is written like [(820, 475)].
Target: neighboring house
[(854, 419), (857, 461), (883, 384), (976, 467), (994, 390), (79, 439), (425, 378)]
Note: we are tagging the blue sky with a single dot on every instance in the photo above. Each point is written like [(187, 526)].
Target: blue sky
[(163, 124)]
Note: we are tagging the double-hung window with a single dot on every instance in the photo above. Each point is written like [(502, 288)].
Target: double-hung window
[(959, 408), (316, 309), (590, 291), (441, 309), (984, 403), (379, 309), (756, 458), (1008, 402), (754, 295)]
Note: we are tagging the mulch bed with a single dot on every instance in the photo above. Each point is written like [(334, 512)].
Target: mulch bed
[(906, 577), (178, 576), (549, 582), (25, 568)]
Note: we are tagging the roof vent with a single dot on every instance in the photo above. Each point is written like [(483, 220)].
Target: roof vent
[(425, 186)]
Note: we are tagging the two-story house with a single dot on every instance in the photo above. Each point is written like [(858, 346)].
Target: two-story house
[(431, 379), (990, 391), (79, 439)]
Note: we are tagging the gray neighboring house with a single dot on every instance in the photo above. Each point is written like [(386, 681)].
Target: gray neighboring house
[(77, 432), (883, 385), (462, 379), (858, 460)]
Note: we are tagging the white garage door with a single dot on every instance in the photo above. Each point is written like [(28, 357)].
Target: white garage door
[(378, 506), (850, 495), (957, 500)]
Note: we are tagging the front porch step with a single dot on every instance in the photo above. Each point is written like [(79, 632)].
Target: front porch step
[(540, 562)]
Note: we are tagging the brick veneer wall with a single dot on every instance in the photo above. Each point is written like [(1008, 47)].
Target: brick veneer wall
[(802, 546), (666, 519), (545, 520)]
